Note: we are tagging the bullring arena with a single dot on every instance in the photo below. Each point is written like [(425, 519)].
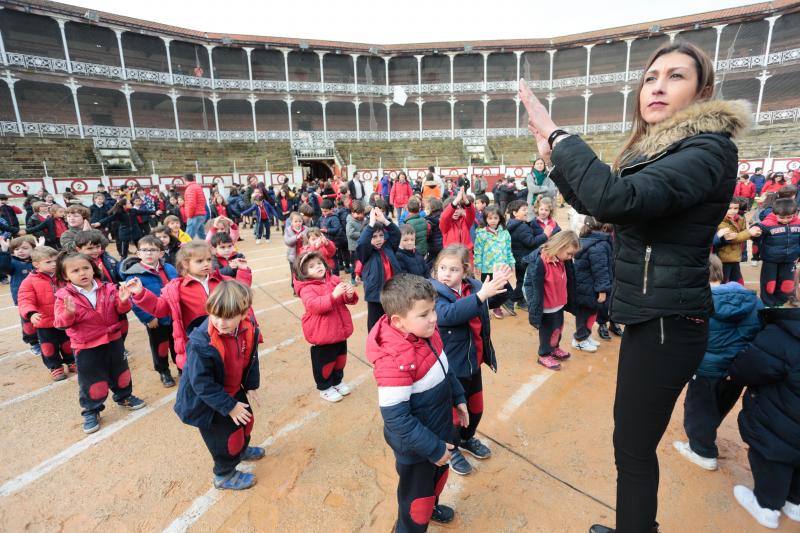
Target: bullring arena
[(92, 98)]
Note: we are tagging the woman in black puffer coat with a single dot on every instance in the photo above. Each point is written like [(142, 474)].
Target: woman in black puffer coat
[(666, 194)]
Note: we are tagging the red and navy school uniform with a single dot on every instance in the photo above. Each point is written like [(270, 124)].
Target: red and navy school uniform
[(592, 276), (18, 270), (219, 371), (779, 249), (222, 264), (327, 325), (377, 267), (44, 226), (412, 263), (416, 393), (160, 338), (37, 295), (549, 289), (95, 332)]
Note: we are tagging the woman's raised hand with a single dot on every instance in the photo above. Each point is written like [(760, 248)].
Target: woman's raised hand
[(539, 122)]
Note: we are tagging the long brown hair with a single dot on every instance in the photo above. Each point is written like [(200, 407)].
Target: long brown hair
[(704, 68)]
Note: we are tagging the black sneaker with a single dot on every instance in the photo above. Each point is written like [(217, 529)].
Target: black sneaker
[(132, 403), (616, 330), (602, 332), (509, 306), (91, 423), (522, 306), (459, 464), (166, 379), (476, 448), (597, 528), (443, 514)]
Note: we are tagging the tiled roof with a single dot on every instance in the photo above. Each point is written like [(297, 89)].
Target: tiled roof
[(733, 14)]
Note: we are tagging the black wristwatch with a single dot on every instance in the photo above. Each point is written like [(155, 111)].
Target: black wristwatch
[(553, 136)]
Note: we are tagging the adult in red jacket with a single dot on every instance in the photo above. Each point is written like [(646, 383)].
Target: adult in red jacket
[(456, 220), (773, 184), (745, 189), (400, 193), (195, 208)]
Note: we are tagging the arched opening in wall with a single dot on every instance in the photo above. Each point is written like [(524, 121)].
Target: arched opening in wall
[(304, 66), (743, 40), (195, 114), (535, 66), (306, 116), (568, 110), (229, 63), (469, 115), (501, 66), (605, 108), (468, 68), (705, 39), (268, 65), (569, 63), (405, 117), (608, 58), (341, 116), (144, 52), (30, 34), (92, 44), (735, 89), (319, 170), (436, 69), (403, 70), (371, 116), (152, 110), (501, 114), (643, 47), (235, 115), (784, 33), (189, 59), (102, 107), (338, 68), (6, 109), (436, 116), (781, 92), (271, 115), (371, 70)]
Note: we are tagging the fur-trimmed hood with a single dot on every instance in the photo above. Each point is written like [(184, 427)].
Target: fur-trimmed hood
[(712, 116)]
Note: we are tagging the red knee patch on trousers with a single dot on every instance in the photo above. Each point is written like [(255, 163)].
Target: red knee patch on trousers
[(770, 287), (248, 428), (236, 442), (591, 322), (48, 349), (555, 337), (441, 482), (27, 328), (455, 417), (421, 509), (124, 379), (66, 348), (163, 349), (475, 403), (787, 286), (341, 360), (98, 391), (327, 369)]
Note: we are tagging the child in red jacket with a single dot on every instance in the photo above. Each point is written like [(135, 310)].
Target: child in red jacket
[(315, 241), (326, 323), (35, 301), (89, 310), (457, 218)]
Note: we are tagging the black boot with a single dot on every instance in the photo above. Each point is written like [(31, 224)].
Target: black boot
[(443, 514), (602, 332)]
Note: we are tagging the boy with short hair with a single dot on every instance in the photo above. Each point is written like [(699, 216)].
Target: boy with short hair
[(420, 225), (93, 243), (376, 253), (77, 220), (330, 226), (353, 228), (308, 216), (224, 256), (406, 350), (15, 260), (411, 262), (779, 250)]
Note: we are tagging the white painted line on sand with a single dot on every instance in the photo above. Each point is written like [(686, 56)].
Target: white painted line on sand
[(273, 282), (279, 305), (522, 394), (269, 268), (34, 393), (15, 326), (15, 355)]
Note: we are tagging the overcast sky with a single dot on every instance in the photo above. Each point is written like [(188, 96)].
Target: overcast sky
[(408, 21)]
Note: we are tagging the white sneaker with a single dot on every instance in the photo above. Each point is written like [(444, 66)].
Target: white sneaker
[(267, 241), (708, 463), (258, 241), (342, 388), (753, 263), (592, 341), (792, 510), (746, 498), (331, 395), (584, 346)]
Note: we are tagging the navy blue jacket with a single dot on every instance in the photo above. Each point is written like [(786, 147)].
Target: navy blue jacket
[(731, 328), (525, 238), (371, 264), (453, 316), (533, 287), (18, 270), (201, 391), (112, 265), (435, 235), (334, 230), (412, 263), (770, 368), (235, 206), (778, 243), (342, 213), (10, 218), (593, 269), (131, 267)]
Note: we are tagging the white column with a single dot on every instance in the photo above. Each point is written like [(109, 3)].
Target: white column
[(765, 75), (485, 101), (118, 33), (355, 72), (771, 21), (518, 53), (588, 60), (324, 103), (386, 66), (61, 23), (167, 40), (552, 54), (625, 91), (550, 98), (485, 68), (211, 47), (719, 29), (517, 101), (127, 91), (214, 100), (420, 101), (629, 42), (289, 101), (452, 56), (452, 101), (286, 70), (3, 46), (73, 87), (419, 73), (762, 82), (388, 104), (173, 95), (672, 35), (586, 95), (10, 82), (357, 103), (322, 70), (253, 99), (249, 50)]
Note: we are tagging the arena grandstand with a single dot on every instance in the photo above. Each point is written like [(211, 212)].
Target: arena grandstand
[(94, 97)]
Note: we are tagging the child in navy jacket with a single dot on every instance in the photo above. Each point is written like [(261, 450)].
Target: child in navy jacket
[(15, 260), (331, 226), (376, 252), (406, 350), (219, 380), (410, 261), (779, 250), (592, 281)]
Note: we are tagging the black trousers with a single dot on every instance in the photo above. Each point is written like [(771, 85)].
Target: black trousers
[(29, 335), (708, 401), (374, 313), (352, 265), (226, 441), (656, 360), (775, 483), (550, 332), (603, 316), (519, 271), (473, 391), (99, 368), (327, 364), (777, 283), (162, 345), (56, 349), (732, 272), (584, 321), (417, 493), (122, 247)]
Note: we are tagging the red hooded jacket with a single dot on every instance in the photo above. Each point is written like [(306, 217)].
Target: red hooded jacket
[(91, 326), (327, 319), (328, 251), (195, 200), (400, 194), (37, 294), (457, 231)]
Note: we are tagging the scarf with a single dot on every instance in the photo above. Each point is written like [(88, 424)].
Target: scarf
[(539, 177)]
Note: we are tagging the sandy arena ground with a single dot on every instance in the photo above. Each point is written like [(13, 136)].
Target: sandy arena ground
[(327, 466)]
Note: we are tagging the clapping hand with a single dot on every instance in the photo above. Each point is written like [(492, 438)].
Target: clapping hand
[(502, 271), (134, 286), (539, 122), (124, 292), (340, 289), (69, 305), (492, 287)]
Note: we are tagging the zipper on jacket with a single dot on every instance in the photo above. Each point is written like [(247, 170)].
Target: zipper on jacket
[(647, 162), (647, 252), (661, 323)]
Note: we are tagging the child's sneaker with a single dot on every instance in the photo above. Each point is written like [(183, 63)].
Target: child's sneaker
[(91, 423), (498, 313), (253, 453), (708, 463), (331, 395), (36, 350), (585, 345), (560, 354), (475, 448), (58, 374), (258, 241), (459, 463), (132, 403), (72, 368), (342, 388), (442, 514), (746, 498), (616, 330), (602, 331), (549, 362), (236, 480), (792, 510), (593, 341), (509, 306)]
